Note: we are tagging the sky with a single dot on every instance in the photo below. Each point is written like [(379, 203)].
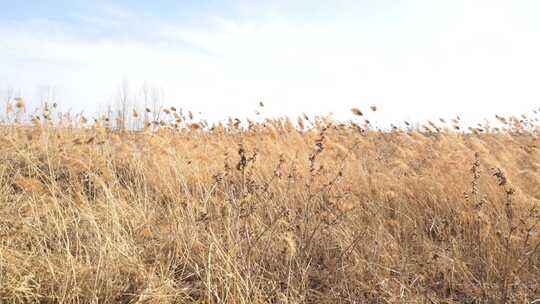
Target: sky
[(413, 59)]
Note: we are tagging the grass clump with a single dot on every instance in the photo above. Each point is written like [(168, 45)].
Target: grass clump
[(325, 212)]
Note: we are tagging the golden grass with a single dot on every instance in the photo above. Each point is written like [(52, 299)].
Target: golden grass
[(336, 213)]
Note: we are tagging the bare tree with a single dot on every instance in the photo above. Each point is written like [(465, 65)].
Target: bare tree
[(153, 97), (122, 106), (8, 102), (157, 99)]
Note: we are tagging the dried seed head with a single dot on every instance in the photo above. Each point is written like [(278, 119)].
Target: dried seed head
[(357, 112), (236, 124), (501, 177), (19, 103), (301, 123)]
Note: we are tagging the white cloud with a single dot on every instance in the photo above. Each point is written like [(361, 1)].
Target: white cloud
[(438, 60)]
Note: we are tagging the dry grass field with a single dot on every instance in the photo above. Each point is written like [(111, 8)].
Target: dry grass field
[(313, 211)]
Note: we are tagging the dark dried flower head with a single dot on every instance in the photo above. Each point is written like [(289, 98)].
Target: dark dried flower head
[(357, 112), (19, 103)]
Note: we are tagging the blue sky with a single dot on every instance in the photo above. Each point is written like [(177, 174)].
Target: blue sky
[(415, 59)]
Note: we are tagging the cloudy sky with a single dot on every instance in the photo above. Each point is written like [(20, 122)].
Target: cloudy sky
[(414, 59)]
